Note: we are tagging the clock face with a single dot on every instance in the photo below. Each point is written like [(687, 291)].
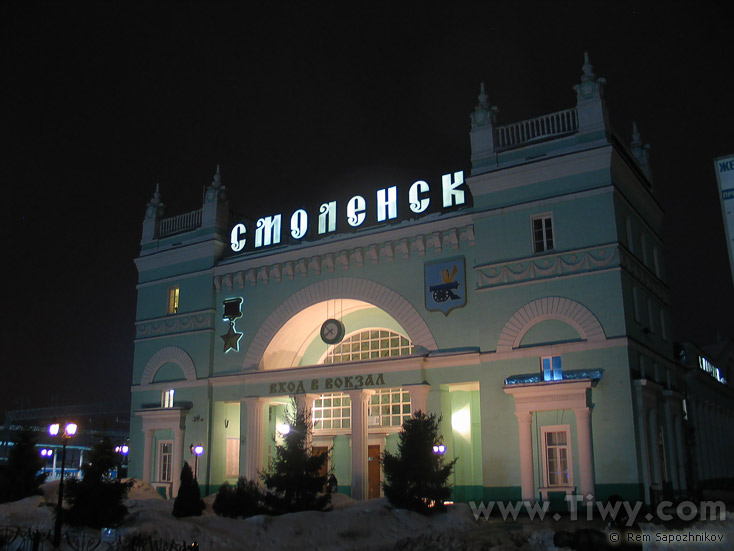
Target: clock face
[(332, 331)]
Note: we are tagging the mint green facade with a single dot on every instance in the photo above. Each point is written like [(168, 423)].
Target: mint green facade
[(589, 289)]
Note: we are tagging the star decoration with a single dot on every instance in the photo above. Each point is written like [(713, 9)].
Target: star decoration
[(231, 339)]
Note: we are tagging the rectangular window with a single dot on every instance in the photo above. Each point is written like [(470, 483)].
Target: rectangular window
[(630, 235), (332, 411), (172, 305), (165, 460), (389, 407), (636, 304), (167, 398), (557, 456), (551, 366), (651, 314), (232, 469), (542, 233)]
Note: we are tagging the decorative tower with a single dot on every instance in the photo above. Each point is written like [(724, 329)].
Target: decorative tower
[(153, 214), (641, 152), (590, 107), (215, 209), (482, 129)]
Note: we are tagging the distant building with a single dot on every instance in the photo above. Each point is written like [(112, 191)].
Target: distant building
[(525, 302), (709, 373), (93, 420)]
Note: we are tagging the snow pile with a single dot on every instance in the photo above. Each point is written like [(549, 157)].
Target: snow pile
[(352, 526)]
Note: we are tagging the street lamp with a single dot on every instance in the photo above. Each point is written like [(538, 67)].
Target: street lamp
[(440, 449), (197, 450), (123, 450), (69, 431)]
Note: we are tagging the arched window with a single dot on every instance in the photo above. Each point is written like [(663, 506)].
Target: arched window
[(369, 344)]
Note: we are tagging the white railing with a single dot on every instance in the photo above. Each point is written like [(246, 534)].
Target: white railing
[(182, 222), (539, 128)]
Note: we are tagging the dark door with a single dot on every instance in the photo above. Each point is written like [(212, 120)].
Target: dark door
[(373, 471)]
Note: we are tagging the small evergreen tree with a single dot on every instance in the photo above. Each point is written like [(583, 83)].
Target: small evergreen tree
[(188, 502), (97, 500), (22, 476), (243, 500), (294, 481), (416, 477)]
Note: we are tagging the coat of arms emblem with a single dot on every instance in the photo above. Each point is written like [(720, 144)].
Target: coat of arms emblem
[(445, 285)]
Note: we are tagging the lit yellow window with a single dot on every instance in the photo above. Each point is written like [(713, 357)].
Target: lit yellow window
[(173, 300)]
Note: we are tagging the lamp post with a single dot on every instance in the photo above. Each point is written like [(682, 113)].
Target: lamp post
[(69, 431), (123, 450), (197, 450)]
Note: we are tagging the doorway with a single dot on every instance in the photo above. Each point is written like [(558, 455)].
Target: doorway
[(373, 471)]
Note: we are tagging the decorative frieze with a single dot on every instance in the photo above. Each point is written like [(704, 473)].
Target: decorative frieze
[(388, 251), (174, 325), (548, 266)]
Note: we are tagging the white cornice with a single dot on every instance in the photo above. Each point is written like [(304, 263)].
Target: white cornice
[(426, 227)]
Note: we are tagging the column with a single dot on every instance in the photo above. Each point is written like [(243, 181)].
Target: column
[(681, 451), (654, 449), (178, 455), (305, 402), (671, 450), (643, 439), (524, 421), (360, 402), (147, 456), (254, 437), (419, 397), (586, 458)]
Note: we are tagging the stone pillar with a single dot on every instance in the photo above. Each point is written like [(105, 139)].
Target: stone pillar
[(419, 397), (360, 402), (671, 450), (643, 438), (147, 456), (681, 451), (525, 421), (654, 449), (254, 436), (305, 402), (586, 457)]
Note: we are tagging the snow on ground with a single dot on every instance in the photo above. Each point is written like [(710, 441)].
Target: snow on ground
[(352, 526)]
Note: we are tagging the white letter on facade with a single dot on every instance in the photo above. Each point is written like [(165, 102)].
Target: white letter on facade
[(327, 217), (418, 205), (299, 224), (237, 237), (451, 195), (356, 210), (267, 231), (387, 202)]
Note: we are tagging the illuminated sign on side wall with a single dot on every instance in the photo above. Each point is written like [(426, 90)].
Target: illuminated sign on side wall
[(271, 230), (725, 178)]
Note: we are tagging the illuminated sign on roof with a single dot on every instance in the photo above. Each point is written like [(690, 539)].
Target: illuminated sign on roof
[(268, 230)]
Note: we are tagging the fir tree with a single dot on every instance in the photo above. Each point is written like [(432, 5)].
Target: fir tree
[(243, 500), (294, 481), (188, 502), (22, 476), (97, 500), (416, 477)]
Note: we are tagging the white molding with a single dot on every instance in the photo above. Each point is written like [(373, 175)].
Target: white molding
[(549, 308), (169, 354), (349, 288)]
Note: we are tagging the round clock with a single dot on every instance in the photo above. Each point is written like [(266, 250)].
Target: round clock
[(332, 331)]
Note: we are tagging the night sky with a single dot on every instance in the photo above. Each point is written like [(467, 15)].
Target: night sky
[(307, 100)]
